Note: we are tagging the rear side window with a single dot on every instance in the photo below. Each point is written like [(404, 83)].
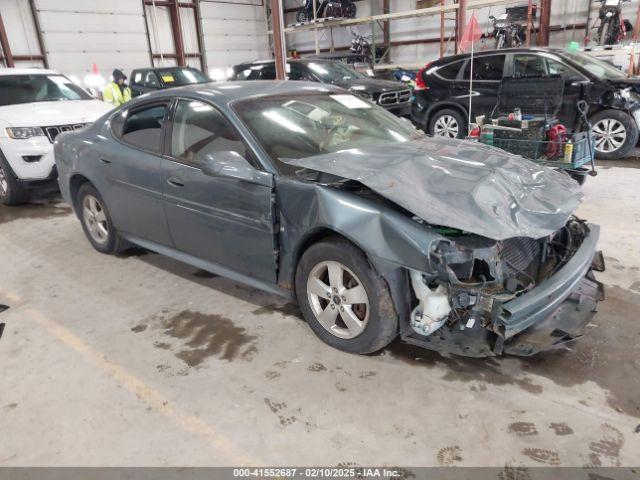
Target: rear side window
[(257, 72), (449, 72), (485, 68), (141, 128), (200, 130), (529, 66)]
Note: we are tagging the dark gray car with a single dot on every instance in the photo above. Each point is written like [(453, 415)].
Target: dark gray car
[(309, 192)]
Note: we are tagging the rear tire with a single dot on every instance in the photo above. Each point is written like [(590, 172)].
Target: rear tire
[(11, 192), (448, 123), (615, 132), (96, 222), (351, 310)]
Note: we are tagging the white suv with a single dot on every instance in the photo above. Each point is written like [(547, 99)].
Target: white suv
[(35, 106)]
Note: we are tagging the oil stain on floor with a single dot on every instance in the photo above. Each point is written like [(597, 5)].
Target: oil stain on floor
[(208, 335)]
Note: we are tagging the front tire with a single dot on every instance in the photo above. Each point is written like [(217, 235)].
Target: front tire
[(448, 123), (11, 192), (96, 221), (344, 300), (616, 134)]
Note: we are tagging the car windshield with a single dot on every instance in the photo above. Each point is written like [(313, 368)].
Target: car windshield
[(334, 72), (303, 125), (596, 67), (176, 77), (16, 89)]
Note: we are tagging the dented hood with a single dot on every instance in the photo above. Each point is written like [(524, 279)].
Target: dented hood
[(460, 184)]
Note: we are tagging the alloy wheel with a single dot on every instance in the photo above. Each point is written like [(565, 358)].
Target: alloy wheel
[(446, 126), (95, 219), (4, 183), (610, 135), (338, 299)]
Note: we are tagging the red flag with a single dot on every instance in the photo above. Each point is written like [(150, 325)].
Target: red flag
[(471, 34)]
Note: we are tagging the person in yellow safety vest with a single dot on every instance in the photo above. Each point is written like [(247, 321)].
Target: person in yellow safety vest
[(117, 92)]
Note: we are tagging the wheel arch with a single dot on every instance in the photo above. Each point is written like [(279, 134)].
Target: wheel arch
[(312, 237), (75, 182)]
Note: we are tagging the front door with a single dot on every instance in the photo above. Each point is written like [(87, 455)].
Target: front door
[(133, 170), (574, 83), (487, 73), (224, 221)]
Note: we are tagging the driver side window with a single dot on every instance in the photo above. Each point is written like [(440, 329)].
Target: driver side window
[(200, 130), (152, 80)]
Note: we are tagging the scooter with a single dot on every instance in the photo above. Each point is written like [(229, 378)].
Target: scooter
[(508, 34), (613, 28)]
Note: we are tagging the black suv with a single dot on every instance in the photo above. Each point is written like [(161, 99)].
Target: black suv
[(145, 80), (394, 96), (441, 101)]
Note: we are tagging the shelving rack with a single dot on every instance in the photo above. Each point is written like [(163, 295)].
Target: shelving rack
[(459, 8)]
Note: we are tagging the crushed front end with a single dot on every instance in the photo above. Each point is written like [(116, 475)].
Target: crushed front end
[(517, 296)]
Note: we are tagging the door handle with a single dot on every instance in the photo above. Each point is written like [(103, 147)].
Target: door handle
[(105, 160), (175, 181)]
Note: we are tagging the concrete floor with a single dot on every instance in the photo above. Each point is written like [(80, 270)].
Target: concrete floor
[(140, 360)]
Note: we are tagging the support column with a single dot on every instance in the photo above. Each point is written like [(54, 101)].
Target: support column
[(36, 24), (176, 28), (545, 20), (199, 32), (461, 22), (278, 38), (4, 43)]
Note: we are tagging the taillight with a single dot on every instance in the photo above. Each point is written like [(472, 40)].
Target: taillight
[(420, 83)]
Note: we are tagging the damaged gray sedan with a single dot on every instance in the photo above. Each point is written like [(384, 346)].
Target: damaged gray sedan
[(306, 191)]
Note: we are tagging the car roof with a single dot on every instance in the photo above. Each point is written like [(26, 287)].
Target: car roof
[(27, 71), (222, 93), (464, 56), (289, 60)]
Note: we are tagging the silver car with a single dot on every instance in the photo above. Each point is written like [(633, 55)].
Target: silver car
[(312, 193)]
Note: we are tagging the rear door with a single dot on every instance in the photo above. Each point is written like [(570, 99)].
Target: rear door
[(133, 167), (487, 71), (224, 221)]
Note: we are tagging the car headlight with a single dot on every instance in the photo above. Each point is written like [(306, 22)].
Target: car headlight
[(22, 133)]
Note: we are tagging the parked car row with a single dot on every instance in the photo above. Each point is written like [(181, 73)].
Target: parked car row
[(31, 113)]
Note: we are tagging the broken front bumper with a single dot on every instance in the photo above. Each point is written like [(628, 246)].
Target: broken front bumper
[(554, 312), (557, 310)]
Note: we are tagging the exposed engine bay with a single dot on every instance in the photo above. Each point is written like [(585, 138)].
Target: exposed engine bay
[(473, 275)]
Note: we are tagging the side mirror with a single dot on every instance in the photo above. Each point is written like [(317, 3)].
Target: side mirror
[(229, 164)]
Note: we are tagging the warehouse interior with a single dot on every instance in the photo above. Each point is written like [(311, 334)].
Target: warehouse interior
[(120, 350)]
